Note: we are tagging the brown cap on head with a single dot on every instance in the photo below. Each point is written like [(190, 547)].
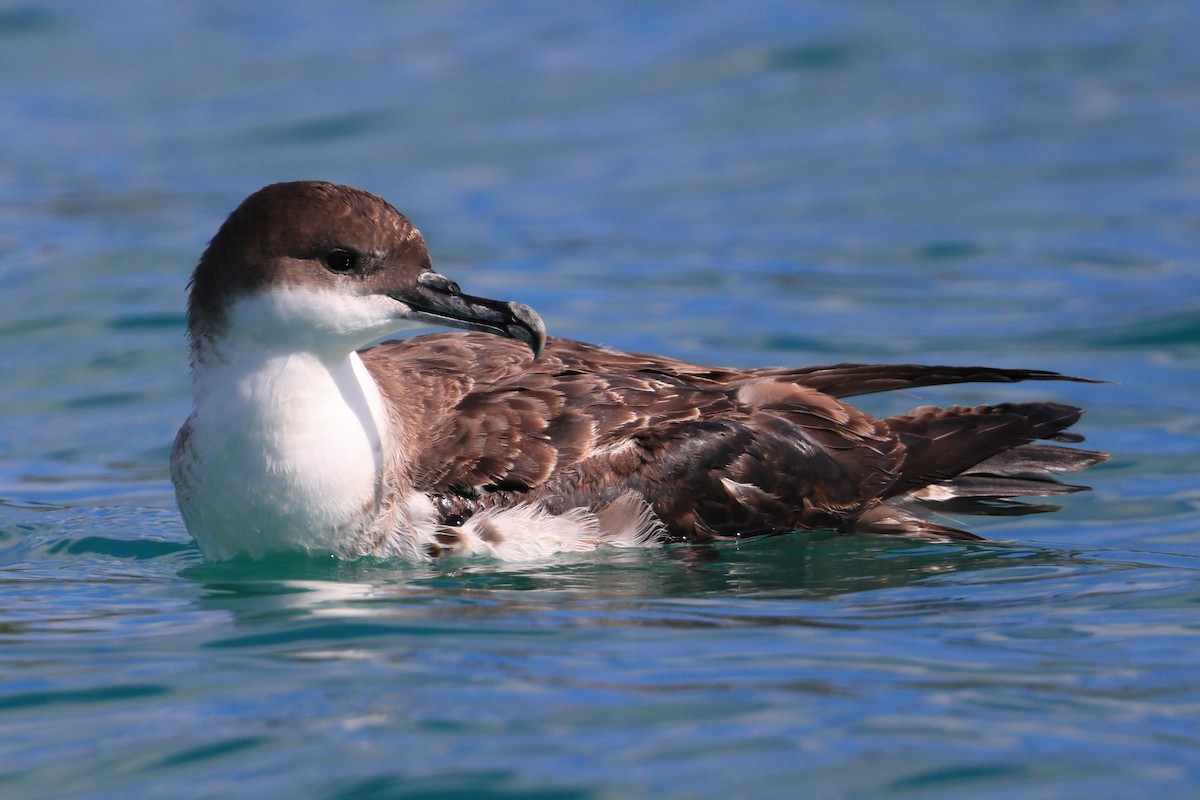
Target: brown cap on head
[(282, 232), (321, 235)]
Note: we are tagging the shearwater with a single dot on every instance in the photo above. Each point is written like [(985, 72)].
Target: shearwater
[(502, 442)]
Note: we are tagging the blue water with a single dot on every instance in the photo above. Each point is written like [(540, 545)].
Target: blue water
[(758, 183)]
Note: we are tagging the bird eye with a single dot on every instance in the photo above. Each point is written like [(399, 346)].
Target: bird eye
[(340, 259)]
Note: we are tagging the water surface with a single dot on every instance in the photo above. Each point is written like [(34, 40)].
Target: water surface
[(753, 184)]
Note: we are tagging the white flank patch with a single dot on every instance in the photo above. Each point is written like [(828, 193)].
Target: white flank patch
[(523, 532), (526, 532)]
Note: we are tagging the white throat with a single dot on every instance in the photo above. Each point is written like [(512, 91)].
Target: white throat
[(285, 448)]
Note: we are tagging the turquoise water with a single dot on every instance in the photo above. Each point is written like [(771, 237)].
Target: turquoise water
[(1013, 184)]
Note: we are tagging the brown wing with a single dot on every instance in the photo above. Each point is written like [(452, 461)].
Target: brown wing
[(786, 458), (715, 452), (490, 416)]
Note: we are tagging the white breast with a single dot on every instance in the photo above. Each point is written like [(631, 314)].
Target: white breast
[(282, 452)]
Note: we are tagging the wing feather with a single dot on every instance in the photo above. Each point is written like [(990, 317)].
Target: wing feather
[(714, 452)]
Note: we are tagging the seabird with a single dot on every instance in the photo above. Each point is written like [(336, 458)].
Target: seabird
[(499, 441)]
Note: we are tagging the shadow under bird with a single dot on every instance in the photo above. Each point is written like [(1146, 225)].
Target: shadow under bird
[(502, 442)]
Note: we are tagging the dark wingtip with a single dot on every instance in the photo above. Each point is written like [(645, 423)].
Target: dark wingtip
[(1077, 379)]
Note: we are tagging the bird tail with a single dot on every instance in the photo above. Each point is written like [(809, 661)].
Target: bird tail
[(977, 461)]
